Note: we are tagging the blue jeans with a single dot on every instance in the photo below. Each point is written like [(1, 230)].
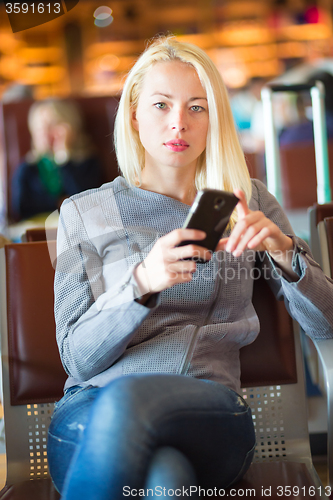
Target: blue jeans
[(148, 431)]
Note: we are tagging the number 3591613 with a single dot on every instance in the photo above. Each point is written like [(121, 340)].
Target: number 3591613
[(33, 8), (303, 492)]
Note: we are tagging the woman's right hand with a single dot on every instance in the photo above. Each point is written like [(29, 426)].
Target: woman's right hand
[(164, 266)]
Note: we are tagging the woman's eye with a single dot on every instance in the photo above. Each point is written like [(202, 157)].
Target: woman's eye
[(197, 108), (160, 105)]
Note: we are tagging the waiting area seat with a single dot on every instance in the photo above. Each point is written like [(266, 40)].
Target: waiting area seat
[(326, 247), (33, 378)]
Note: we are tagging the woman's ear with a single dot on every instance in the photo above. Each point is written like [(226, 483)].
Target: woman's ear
[(135, 122)]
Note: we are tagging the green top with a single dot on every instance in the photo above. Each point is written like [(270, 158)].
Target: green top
[(49, 173)]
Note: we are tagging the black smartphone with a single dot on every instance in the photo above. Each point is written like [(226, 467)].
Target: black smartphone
[(210, 212)]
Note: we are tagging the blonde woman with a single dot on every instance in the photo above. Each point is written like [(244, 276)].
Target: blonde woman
[(61, 161), (151, 341)]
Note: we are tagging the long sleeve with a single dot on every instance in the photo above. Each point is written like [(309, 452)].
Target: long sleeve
[(95, 310), (309, 299)]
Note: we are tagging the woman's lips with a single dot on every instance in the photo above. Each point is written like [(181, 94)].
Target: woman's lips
[(176, 145)]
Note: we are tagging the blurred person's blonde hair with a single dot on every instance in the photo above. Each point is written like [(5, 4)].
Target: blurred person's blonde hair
[(61, 112), (222, 165)]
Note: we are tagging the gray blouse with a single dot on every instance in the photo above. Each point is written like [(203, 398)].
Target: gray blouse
[(195, 328)]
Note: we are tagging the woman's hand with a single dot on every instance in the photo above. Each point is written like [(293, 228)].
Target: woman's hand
[(163, 267), (255, 231)]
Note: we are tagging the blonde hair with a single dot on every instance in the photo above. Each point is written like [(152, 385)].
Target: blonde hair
[(62, 111), (222, 165)]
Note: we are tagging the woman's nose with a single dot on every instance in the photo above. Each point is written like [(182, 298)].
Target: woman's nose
[(178, 121)]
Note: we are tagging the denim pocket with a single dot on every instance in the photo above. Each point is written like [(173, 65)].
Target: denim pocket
[(69, 395)]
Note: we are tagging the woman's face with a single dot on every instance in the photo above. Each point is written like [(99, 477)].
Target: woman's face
[(172, 116), (41, 131)]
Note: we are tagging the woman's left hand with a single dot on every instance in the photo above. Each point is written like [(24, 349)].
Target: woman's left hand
[(255, 231)]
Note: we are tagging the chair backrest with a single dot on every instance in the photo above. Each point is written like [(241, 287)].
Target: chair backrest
[(33, 377), (297, 163), (39, 234), (317, 214), (98, 114), (326, 245), (328, 221), (273, 382)]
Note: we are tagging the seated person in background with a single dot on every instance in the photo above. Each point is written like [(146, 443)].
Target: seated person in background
[(61, 162), (302, 132)]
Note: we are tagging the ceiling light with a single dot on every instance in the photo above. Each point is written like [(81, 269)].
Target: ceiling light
[(102, 13)]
